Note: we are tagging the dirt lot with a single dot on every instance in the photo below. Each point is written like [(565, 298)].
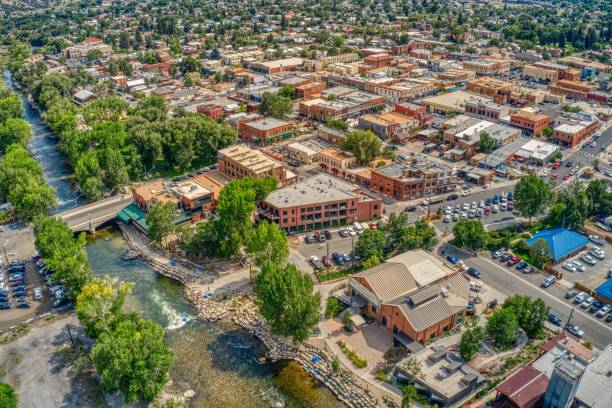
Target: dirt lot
[(40, 365)]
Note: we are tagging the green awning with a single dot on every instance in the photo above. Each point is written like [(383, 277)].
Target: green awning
[(133, 213)]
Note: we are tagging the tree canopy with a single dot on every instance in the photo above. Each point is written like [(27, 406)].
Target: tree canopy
[(286, 300), (469, 234), (160, 218), (502, 326), (364, 145), (470, 343), (531, 196), (371, 244), (268, 243)]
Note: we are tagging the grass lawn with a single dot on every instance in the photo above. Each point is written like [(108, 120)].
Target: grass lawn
[(163, 171)]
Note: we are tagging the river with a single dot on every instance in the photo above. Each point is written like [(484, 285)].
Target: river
[(219, 361), (43, 147)]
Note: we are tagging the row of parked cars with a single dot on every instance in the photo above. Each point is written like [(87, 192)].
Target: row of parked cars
[(512, 261), (336, 258), (356, 229), (56, 291), (12, 286), (589, 303)]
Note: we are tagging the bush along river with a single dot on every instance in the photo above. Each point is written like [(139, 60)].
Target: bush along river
[(43, 147), (218, 361)]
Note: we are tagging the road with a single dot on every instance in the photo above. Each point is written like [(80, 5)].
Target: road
[(597, 331), (78, 219)]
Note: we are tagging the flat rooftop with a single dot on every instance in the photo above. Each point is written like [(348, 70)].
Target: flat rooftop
[(267, 124), (319, 189)]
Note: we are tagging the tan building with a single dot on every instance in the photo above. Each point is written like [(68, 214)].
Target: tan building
[(334, 161), (487, 67), (241, 161), (543, 74)]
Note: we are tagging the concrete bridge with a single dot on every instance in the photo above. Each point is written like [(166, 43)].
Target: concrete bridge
[(90, 216)]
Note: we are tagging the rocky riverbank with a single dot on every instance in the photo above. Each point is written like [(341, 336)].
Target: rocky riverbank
[(241, 309)]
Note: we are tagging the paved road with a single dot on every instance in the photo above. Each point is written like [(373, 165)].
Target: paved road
[(509, 282), (98, 212)]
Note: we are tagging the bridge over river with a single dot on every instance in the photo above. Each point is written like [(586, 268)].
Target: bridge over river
[(90, 216)]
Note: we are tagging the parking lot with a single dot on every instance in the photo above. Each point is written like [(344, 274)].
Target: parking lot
[(337, 244)]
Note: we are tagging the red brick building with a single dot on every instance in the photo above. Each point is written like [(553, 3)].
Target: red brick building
[(321, 201), (412, 181), (570, 135), (378, 60), (265, 130), (531, 123)]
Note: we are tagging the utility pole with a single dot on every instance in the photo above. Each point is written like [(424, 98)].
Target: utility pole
[(570, 317), (4, 249)]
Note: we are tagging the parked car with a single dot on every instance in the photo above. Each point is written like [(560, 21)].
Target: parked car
[(497, 254), (595, 306), (528, 269), (587, 302), (5, 305), (554, 319), (571, 293), (411, 208), (452, 260), (23, 305), (343, 233), (339, 259), (513, 261), (548, 281), (580, 297), (575, 330), (37, 293), (309, 239), (351, 231), (569, 267), (579, 266), (597, 253), (603, 311), (609, 318), (326, 261), (315, 261), (505, 257), (597, 240), (588, 259), (473, 272), (521, 265), (453, 196), (328, 235)]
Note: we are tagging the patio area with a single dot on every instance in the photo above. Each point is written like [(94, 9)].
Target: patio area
[(370, 341)]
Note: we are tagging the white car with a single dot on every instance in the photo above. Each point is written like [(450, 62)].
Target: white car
[(603, 311), (587, 303), (579, 266), (465, 207), (597, 253), (503, 206), (569, 266), (474, 205), (465, 193), (495, 208), (37, 293), (447, 218), (481, 204), (351, 231)]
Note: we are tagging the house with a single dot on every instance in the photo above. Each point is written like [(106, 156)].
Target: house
[(525, 388), (562, 242), (319, 202)]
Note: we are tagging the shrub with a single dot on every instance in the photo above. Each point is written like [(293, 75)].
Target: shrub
[(357, 361), (333, 307)]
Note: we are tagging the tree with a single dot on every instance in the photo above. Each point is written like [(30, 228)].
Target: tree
[(14, 131), (8, 396), (338, 124), (70, 267), (333, 307), (487, 144), (268, 243), (599, 199), (470, 342), (287, 91), (394, 228), (364, 145), (99, 305), (159, 220), (134, 359), (286, 300), (32, 197), (470, 234), (503, 326), (547, 132), (540, 253), (10, 107), (189, 64), (575, 203), (409, 395), (371, 243), (531, 196), (530, 313)]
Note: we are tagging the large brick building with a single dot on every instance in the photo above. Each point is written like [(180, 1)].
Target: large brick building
[(265, 130), (321, 201), (413, 180), (241, 161), (414, 296)]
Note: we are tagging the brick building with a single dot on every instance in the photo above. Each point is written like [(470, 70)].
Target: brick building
[(241, 161), (413, 180), (531, 123), (265, 130), (378, 60), (321, 201), (572, 89)]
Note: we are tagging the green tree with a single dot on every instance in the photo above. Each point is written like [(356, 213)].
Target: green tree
[(338, 124), (547, 132), (394, 228), (333, 307), (8, 396), (286, 300), (531, 196), (287, 92), (32, 197), (540, 253), (371, 243), (10, 107), (487, 144), (502, 326), (134, 359), (364, 145), (599, 198), (409, 395), (530, 313), (159, 219), (470, 234), (470, 342), (189, 64), (576, 207), (70, 267), (99, 305), (14, 131), (268, 243)]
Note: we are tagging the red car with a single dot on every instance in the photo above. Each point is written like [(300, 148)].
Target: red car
[(513, 261), (554, 176), (566, 176), (556, 165), (327, 261)]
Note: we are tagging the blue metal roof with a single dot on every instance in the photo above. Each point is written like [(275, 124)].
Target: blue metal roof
[(605, 289), (561, 241)]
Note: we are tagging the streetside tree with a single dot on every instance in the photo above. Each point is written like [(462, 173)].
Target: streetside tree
[(531, 196)]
